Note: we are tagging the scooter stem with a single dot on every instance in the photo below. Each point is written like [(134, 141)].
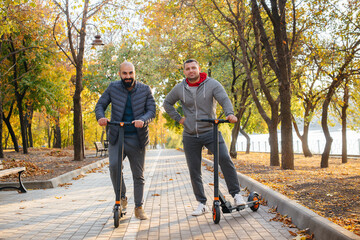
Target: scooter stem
[(216, 161)]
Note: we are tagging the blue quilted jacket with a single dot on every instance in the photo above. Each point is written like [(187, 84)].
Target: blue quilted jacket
[(143, 105)]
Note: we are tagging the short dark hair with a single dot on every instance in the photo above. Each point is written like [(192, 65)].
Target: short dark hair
[(190, 61)]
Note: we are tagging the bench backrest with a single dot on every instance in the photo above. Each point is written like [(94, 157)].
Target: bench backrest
[(99, 145)]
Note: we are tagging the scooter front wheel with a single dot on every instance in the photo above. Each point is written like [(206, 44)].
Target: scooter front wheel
[(117, 217), (216, 213)]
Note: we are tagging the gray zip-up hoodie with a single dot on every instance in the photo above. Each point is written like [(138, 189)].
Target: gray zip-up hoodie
[(203, 105)]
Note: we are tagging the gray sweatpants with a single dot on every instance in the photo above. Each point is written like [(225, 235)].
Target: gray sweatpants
[(136, 156), (192, 148)]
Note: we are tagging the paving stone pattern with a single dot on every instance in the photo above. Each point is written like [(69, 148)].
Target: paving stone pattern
[(83, 210)]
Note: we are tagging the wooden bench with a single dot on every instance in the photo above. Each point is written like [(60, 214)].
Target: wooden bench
[(100, 148), (19, 170)]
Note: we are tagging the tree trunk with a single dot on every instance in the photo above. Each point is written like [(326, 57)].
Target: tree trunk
[(78, 132), (79, 150), (29, 133), (1, 114), (344, 140), (29, 116), (283, 72), (12, 133), (155, 143), (7, 140), (1, 132), (324, 118), (304, 138), (19, 98), (247, 151), (23, 125), (49, 134), (343, 122), (304, 142), (326, 153), (273, 142), (57, 134), (234, 137), (287, 151)]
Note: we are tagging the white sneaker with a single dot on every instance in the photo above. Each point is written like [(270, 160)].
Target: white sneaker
[(201, 209), (239, 200)]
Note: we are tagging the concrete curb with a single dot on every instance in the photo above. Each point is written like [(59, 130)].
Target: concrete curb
[(301, 216), (54, 182)]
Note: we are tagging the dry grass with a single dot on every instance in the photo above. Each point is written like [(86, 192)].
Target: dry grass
[(333, 193)]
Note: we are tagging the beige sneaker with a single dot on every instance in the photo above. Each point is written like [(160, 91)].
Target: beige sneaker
[(140, 214), (124, 203)]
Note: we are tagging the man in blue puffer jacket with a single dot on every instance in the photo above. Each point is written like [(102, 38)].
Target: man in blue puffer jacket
[(131, 101)]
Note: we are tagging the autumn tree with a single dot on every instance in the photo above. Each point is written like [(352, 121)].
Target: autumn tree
[(23, 51), (308, 93), (278, 61), (341, 105), (6, 27), (73, 46), (183, 36), (339, 23)]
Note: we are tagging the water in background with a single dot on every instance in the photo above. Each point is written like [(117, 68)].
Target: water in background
[(260, 142)]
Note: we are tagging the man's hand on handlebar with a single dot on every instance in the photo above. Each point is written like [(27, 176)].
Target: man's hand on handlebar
[(231, 118), (103, 121), (138, 123)]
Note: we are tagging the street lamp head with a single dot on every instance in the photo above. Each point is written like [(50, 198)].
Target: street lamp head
[(97, 41)]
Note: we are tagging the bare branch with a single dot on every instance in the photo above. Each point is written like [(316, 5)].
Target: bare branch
[(264, 38), (69, 33), (57, 43), (268, 11)]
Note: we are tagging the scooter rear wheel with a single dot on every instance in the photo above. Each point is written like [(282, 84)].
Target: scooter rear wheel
[(216, 214), (254, 196)]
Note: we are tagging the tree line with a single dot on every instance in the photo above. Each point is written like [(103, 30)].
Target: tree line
[(282, 62)]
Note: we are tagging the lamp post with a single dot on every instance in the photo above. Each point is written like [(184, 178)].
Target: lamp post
[(97, 41)]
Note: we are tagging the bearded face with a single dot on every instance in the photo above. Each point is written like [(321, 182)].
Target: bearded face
[(127, 74), (128, 82)]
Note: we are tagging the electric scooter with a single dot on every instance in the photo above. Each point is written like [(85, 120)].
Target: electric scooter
[(219, 199), (118, 212)]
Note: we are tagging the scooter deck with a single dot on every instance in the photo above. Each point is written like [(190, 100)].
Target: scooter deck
[(226, 206)]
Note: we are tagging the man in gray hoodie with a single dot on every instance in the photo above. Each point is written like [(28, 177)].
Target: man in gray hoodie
[(198, 95), (131, 101)]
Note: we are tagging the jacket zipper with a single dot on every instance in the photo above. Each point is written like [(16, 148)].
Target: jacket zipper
[(196, 111)]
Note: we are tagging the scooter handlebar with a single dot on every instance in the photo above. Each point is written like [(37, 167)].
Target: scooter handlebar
[(121, 124), (210, 120)]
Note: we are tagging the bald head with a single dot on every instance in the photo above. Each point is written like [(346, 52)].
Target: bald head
[(127, 64), (127, 74)]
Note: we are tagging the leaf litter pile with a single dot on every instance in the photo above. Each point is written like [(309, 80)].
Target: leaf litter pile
[(44, 163), (333, 192)]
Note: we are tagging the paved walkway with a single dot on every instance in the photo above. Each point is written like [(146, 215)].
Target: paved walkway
[(83, 209)]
